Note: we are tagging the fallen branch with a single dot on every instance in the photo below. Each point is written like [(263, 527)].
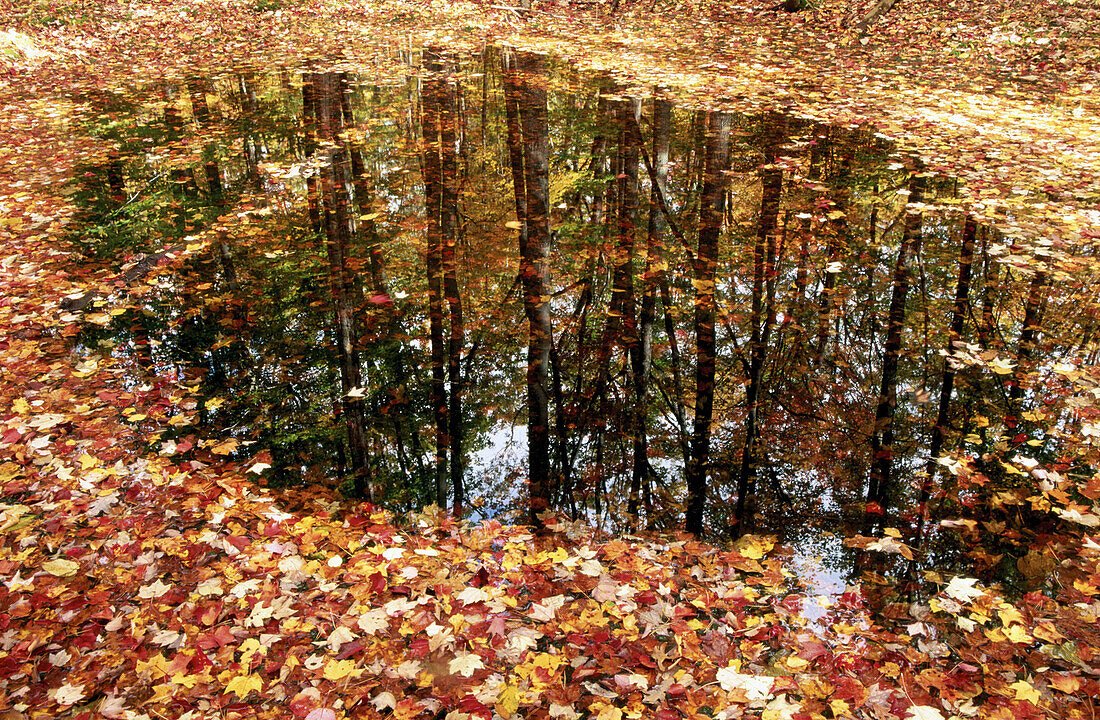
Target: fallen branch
[(141, 268), (880, 9), (520, 11)]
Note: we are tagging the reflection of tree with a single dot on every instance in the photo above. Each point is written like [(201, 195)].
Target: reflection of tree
[(334, 170), (440, 172), (882, 441), (762, 317), (1029, 333), (959, 313), (838, 177), (529, 148), (652, 282), (712, 203)]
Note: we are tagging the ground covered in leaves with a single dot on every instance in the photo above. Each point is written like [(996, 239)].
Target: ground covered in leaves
[(139, 585)]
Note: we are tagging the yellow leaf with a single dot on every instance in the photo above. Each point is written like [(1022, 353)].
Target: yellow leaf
[(513, 225), (188, 681), (753, 547), (1025, 691), (507, 701), (11, 518), (339, 669), (1045, 630), (21, 406), (610, 712), (559, 555), (61, 568), (244, 684), (225, 446), (1017, 634), (154, 668), (249, 648), (1083, 587), (795, 663)]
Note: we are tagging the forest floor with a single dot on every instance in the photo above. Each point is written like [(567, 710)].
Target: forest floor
[(139, 585)]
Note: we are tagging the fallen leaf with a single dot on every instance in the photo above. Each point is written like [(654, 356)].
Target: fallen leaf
[(242, 685), (61, 568)]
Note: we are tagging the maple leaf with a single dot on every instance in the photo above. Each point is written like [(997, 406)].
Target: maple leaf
[(168, 638), (61, 658), (565, 712), (340, 669), (1068, 684), (1026, 691), (373, 621), (507, 701), (68, 694), (210, 586), (607, 711), (245, 588), (153, 590), (10, 516), (187, 681), (925, 712), (383, 701), (242, 685), (1017, 634), (472, 595), (321, 714), (338, 637), (962, 589), (112, 707), (757, 688), (546, 609), (1075, 515), (753, 547), (225, 447), (891, 545), (606, 590), (279, 608), (102, 504), (465, 665), (781, 708)]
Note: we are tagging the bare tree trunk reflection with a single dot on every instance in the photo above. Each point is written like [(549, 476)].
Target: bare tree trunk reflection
[(712, 205), (882, 441), (333, 208), (529, 150), (947, 382), (762, 318), (641, 472)]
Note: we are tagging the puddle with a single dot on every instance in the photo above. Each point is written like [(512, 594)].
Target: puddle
[(351, 294)]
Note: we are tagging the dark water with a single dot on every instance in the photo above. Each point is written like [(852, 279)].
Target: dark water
[(352, 305)]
